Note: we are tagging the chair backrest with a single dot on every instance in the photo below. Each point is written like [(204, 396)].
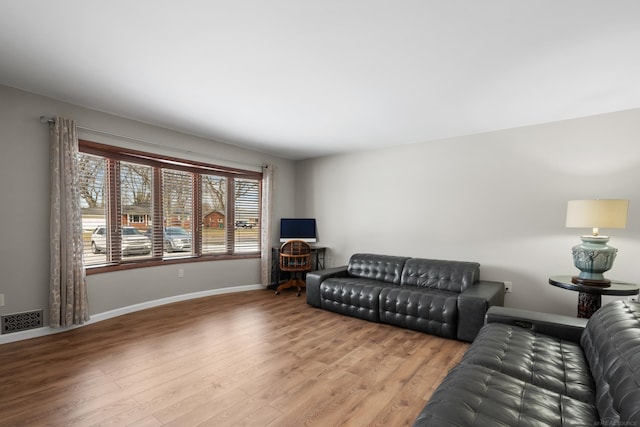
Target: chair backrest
[(295, 255)]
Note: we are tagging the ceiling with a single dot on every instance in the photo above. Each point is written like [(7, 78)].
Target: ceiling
[(303, 78)]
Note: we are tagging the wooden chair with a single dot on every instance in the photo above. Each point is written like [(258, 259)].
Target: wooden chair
[(295, 257)]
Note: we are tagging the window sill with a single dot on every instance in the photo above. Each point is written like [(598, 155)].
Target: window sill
[(105, 268)]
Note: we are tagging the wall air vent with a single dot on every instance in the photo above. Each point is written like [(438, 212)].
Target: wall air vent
[(21, 321)]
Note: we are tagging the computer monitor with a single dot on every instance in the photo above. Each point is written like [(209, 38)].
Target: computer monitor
[(298, 229)]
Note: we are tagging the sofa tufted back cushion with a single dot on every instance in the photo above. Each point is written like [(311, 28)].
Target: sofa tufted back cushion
[(611, 342), (378, 267), (454, 276)]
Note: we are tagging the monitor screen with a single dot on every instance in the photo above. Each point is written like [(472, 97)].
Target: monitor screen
[(298, 229)]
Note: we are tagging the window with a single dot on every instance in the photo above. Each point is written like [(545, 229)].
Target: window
[(247, 214), (140, 219), (214, 214), (142, 209), (177, 211)]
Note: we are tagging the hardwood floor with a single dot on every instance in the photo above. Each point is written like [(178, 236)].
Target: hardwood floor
[(243, 359)]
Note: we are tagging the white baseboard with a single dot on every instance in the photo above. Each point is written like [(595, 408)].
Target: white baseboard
[(99, 317)]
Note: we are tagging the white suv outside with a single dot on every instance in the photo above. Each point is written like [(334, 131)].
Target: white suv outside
[(175, 239), (133, 241)]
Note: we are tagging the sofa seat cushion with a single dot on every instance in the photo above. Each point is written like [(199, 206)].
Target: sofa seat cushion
[(545, 361), (473, 395), (421, 309), (352, 296)]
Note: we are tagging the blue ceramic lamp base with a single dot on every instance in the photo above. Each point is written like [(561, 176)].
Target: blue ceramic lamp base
[(593, 257)]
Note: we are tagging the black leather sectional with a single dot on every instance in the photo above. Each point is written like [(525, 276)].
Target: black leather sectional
[(535, 369), (444, 298)]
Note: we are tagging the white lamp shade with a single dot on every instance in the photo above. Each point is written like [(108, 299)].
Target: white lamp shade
[(601, 213)]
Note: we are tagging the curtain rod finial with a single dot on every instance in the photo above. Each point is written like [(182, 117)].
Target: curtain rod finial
[(45, 119)]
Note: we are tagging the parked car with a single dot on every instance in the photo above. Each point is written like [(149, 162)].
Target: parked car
[(175, 239), (243, 224), (133, 241)]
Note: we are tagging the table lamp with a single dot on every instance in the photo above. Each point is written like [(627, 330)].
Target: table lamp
[(593, 257)]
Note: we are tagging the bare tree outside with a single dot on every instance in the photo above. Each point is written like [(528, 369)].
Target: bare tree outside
[(135, 184), (91, 184), (246, 188), (214, 194)]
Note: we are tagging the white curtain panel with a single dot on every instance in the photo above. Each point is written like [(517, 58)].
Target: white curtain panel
[(265, 236), (68, 290)]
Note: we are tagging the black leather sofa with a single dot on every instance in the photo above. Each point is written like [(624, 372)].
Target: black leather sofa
[(535, 369), (444, 298)]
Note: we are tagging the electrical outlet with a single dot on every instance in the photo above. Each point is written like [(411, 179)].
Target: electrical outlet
[(181, 272), (507, 287)]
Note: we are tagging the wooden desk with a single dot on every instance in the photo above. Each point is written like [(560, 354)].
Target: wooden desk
[(317, 253), (589, 296)]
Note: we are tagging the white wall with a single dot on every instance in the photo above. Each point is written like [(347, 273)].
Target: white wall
[(497, 198), (24, 207)]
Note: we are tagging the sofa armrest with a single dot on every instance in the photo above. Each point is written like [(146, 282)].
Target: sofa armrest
[(315, 278), (562, 327), (473, 304)]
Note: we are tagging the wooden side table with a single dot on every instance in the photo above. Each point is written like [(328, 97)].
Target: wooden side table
[(589, 296)]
